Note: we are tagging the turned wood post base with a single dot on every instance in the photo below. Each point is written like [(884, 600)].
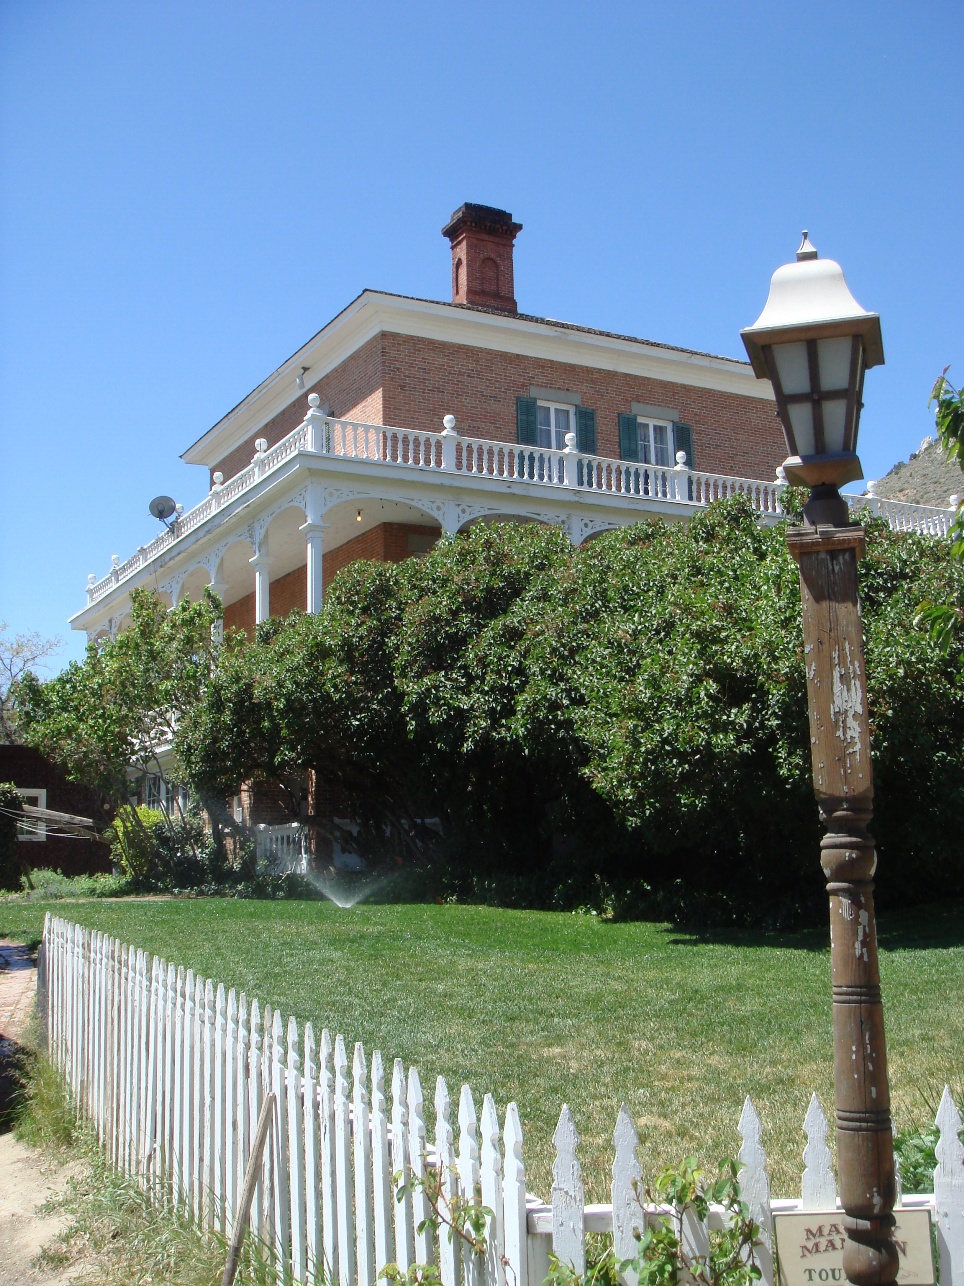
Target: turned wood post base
[(843, 784)]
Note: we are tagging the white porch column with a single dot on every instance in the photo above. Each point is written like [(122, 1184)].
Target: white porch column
[(314, 533), (261, 563)]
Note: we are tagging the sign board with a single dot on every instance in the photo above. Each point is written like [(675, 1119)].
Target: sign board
[(810, 1247)]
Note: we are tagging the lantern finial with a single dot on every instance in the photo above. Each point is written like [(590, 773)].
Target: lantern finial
[(806, 251)]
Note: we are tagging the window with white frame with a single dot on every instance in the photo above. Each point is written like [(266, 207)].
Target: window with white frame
[(165, 796), (31, 828), (554, 420), (655, 442), (154, 791)]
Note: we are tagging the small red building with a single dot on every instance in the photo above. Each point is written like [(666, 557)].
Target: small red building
[(42, 845)]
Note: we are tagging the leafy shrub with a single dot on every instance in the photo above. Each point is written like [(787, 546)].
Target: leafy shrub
[(622, 726), (133, 845), (44, 885), (915, 1150), (185, 856), (11, 805)]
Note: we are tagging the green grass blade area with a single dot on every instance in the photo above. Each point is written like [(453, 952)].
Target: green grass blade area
[(549, 1008)]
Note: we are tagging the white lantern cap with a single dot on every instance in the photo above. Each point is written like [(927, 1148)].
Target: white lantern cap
[(811, 295)]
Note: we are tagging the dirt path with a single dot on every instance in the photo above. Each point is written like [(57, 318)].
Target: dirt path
[(27, 1177), (27, 1180)]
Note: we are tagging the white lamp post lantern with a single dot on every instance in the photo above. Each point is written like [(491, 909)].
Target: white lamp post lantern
[(814, 342)]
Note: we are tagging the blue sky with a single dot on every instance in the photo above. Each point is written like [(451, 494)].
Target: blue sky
[(191, 190)]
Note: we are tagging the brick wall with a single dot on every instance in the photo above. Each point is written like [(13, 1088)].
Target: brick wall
[(389, 542), (424, 379), (264, 803), (412, 382), (352, 389)]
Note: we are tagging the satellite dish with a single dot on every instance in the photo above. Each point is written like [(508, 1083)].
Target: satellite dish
[(162, 507)]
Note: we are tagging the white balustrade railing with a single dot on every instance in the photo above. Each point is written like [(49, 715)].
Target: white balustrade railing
[(900, 515), (281, 848), (171, 1071), (378, 444)]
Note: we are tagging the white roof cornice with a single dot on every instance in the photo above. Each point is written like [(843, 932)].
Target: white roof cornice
[(374, 312)]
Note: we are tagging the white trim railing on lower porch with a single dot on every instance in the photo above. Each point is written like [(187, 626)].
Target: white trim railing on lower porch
[(281, 848), (486, 459)]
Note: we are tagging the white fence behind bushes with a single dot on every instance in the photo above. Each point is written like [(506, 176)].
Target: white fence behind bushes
[(282, 848), (172, 1072)]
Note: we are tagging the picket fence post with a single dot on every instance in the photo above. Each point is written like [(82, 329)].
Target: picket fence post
[(313, 1251), (239, 1083), (404, 1238), (469, 1177), (267, 1172), (343, 1172), (818, 1187), (361, 1138), (416, 1159), (228, 1103), (219, 1142), (329, 1229), (568, 1196), (382, 1193), (279, 1148), (514, 1204), (755, 1186), (254, 1112), (296, 1155), (949, 1192), (628, 1214), (449, 1251), (492, 1194), (165, 1107)]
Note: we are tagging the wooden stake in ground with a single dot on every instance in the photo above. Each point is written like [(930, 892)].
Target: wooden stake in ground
[(247, 1191)]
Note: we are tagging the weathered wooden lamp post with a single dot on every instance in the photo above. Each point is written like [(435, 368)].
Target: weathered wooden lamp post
[(813, 341)]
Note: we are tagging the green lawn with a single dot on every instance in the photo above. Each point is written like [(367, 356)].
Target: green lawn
[(548, 1008)]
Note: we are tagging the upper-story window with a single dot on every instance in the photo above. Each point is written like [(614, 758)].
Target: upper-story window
[(648, 440), (554, 422), (544, 421), (654, 441)]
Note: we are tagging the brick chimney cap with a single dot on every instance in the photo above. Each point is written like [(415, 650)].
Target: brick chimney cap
[(483, 218)]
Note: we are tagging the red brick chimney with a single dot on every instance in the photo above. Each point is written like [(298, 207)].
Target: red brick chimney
[(482, 240)]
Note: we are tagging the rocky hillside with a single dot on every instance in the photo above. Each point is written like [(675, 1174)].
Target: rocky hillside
[(927, 478)]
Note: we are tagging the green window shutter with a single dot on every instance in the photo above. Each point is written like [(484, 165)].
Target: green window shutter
[(628, 438), (683, 441), (585, 430), (527, 431)]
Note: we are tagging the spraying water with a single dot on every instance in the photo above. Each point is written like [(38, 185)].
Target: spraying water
[(347, 888)]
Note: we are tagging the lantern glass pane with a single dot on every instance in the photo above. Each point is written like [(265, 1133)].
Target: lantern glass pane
[(791, 360), (833, 357), (834, 417), (801, 420)]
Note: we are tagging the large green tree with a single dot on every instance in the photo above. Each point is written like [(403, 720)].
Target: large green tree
[(631, 713), (106, 719)]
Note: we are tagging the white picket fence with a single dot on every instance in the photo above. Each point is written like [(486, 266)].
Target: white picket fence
[(172, 1072)]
